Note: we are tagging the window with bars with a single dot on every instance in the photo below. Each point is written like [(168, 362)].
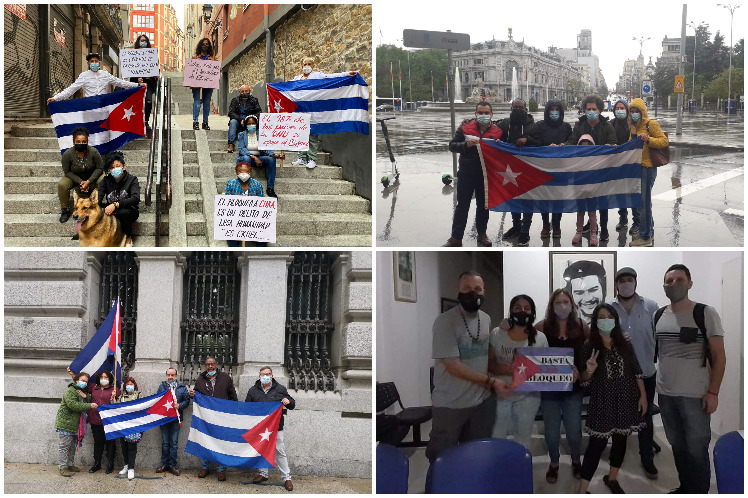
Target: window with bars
[(308, 323)]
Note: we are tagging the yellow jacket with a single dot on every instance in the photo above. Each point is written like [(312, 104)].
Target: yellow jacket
[(657, 139)]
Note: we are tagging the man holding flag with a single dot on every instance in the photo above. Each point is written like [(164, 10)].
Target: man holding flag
[(94, 81), (170, 431)]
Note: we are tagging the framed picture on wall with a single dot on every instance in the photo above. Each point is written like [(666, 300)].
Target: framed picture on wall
[(404, 265), (448, 304), (589, 276)]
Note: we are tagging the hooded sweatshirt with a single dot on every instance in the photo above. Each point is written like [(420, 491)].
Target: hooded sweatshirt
[(623, 133), (553, 132), (657, 139), (603, 132)]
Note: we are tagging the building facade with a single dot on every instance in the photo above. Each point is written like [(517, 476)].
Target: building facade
[(306, 314), (159, 23)]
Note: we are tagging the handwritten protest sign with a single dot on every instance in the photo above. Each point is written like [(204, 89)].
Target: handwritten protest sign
[(239, 217), (139, 62), (543, 369), (200, 73), (284, 131)]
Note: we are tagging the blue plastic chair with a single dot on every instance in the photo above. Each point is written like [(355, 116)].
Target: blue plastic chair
[(483, 466), (728, 463), (392, 470)]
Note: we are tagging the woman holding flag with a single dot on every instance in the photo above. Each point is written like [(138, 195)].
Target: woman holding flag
[(70, 422), (129, 443)]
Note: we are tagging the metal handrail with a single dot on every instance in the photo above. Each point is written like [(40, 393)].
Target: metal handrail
[(159, 164), (151, 155), (168, 148)]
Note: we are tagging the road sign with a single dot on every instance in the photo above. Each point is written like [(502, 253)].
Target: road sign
[(647, 88), (436, 39), (679, 83)]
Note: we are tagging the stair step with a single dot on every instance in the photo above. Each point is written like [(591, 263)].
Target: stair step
[(24, 169), (48, 203), (192, 185), (322, 224), (36, 155), (227, 170), (193, 203), (45, 143), (67, 241), (300, 186), (363, 240), (46, 225)]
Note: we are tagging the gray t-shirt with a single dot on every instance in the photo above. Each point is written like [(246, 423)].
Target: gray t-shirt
[(504, 347), (680, 371), (451, 340)]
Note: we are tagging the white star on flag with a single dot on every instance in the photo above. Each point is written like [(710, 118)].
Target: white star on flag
[(278, 107), (169, 405), (128, 113), (522, 369), (265, 436), (509, 176)]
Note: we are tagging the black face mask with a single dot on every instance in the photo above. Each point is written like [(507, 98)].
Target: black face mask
[(517, 116), (81, 147), (522, 319), (471, 301), (244, 96), (205, 48)]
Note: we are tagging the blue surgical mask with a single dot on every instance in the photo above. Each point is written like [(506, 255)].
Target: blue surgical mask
[(592, 115), (129, 389), (554, 115), (211, 374), (606, 325), (265, 379), (173, 384), (143, 44), (635, 117), (117, 172), (95, 66), (483, 119), (620, 114), (82, 384), (251, 128)]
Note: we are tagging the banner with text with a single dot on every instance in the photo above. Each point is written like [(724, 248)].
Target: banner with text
[(139, 62), (284, 131), (239, 217), (543, 369), (200, 73)]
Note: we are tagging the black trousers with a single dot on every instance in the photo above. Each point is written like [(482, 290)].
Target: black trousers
[(129, 451), (646, 435), (595, 449), (466, 185), (100, 443), (127, 217), (523, 221)]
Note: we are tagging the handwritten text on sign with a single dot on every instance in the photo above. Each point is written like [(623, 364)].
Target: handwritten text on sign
[(200, 73), (239, 217), (139, 62), (284, 131)]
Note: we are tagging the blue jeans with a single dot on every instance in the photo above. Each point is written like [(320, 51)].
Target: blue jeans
[(267, 161), (205, 464), (169, 443), (568, 406), (688, 430), (646, 222), (196, 100), (233, 127), (518, 414)]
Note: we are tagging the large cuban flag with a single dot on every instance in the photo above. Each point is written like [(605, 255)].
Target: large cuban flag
[(106, 345), (123, 419), (112, 120), (335, 104), (234, 433), (543, 369), (568, 179)]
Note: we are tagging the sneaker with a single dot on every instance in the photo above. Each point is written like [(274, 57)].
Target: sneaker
[(66, 472), (621, 224), (604, 237), (593, 239), (298, 162), (545, 232), (195, 125), (639, 242), (271, 192), (205, 126), (483, 240), (634, 230), (511, 233), (556, 232), (123, 471), (577, 238), (650, 470), (64, 215), (613, 486), (311, 164), (131, 474), (524, 239), (452, 242), (586, 228)]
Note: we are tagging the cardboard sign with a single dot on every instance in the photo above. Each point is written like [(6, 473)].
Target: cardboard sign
[(139, 62), (244, 217), (543, 369), (284, 131), (200, 73)]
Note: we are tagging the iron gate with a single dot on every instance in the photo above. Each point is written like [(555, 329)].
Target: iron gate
[(308, 324), (119, 278), (210, 312)]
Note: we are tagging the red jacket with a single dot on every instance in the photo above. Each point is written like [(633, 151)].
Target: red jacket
[(469, 159)]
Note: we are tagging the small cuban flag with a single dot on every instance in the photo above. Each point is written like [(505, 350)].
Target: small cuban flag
[(123, 419), (543, 369)]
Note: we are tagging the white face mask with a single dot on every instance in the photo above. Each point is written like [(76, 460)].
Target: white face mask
[(104, 382), (243, 176), (307, 69)]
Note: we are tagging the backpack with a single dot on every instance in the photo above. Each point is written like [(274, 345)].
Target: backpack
[(698, 317)]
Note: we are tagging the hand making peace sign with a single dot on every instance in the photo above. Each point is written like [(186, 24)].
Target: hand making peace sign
[(592, 362)]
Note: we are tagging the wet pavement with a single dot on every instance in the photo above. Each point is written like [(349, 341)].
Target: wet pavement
[(697, 198)]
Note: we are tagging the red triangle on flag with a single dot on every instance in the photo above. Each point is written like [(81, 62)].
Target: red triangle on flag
[(277, 102), (128, 117), (165, 406), (522, 369), (507, 176), (263, 435)]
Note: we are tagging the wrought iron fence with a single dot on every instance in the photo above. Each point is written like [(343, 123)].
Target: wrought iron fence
[(209, 312), (308, 323), (119, 278)]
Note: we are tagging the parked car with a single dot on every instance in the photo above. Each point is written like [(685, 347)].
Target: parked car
[(386, 107)]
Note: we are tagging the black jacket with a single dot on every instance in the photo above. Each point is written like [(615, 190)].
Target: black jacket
[(224, 388), (469, 158), (603, 133), (553, 132), (528, 130), (126, 191), (276, 393), (235, 109), (623, 130)]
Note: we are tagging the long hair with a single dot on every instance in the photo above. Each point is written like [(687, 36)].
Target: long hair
[(620, 342), (137, 41), (198, 53), (574, 327), (530, 325)]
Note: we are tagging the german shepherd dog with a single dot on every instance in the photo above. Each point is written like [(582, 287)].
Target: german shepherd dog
[(95, 228)]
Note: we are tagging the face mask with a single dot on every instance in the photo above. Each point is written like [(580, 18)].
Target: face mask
[(520, 319), (620, 114), (471, 301), (562, 310), (307, 69), (104, 382), (94, 66), (676, 292), (265, 379), (172, 384), (251, 128), (81, 147), (143, 44), (606, 325), (82, 384), (205, 48), (554, 115), (635, 117), (211, 374), (626, 289), (129, 389), (517, 115), (244, 96), (243, 177), (117, 173), (592, 115), (483, 119)]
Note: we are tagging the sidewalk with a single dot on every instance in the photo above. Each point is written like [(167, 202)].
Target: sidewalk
[(24, 478)]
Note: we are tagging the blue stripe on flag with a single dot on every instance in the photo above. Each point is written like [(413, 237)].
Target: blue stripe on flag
[(257, 462), (566, 151), (99, 342), (601, 203), (139, 428), (319, 84), (88, 103), (339, 126), (633, 170), (332, 105), (66, 129)]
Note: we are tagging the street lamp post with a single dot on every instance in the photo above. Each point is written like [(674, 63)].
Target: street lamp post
[(732, 9), (695, 39)]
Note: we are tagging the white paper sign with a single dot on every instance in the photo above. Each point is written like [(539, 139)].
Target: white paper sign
[(244, 217), (139, 62), (284, 131)]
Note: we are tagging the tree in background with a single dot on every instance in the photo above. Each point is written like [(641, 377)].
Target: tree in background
[(422, 64)]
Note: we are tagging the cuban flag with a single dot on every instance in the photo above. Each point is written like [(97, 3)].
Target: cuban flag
[(113, 119), (123, 419), (543, 369), (335, 104), (234, 433), (568, 179), (106, 345)]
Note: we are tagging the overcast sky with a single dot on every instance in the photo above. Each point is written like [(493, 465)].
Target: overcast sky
[(543, 23)]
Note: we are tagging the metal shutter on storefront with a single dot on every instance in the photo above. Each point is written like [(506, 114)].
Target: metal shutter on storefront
[(61, 45), (22, 40)]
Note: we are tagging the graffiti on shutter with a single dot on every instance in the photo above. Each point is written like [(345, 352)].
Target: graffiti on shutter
[(21, 55)]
